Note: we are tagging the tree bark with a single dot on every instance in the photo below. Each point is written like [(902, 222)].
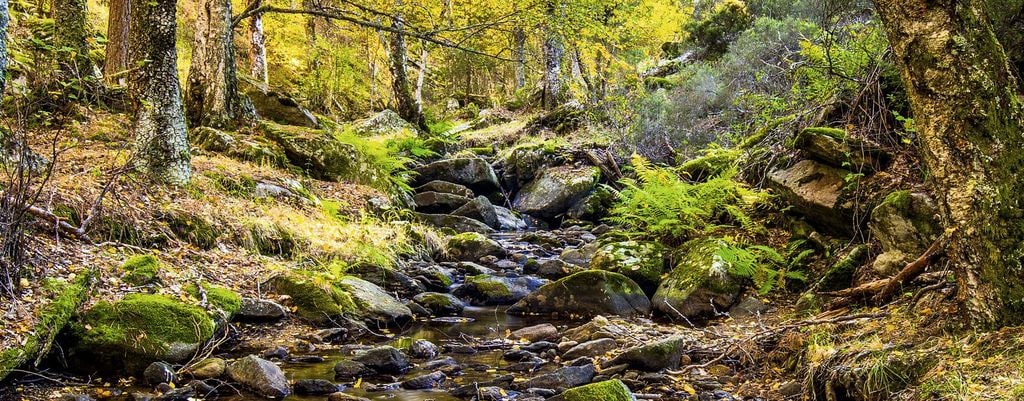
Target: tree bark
[(421, 78), (162, 149), (962, 93), (519, 37), (4, 20), (405, 103), (257, 48), (211, 97), (69, 37), (116, 61), (554, 51)]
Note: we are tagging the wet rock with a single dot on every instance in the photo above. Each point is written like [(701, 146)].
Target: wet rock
[(447, 365), (447, 188), (652, 357), (417, 309), (260, 310), (699, 285), (423, 349), (473, 172), (579, 256), (492, 394), (610, 390), (208, 368), (590, 348), (374, 303), (470, 390), (159, 372), (642, 262), (439, 202), (260, 375), (474, 269), (555, 190), (584, 294), (539, 346), (385, 359), (480, 209), (457, 223), (347, 369), (184, 393), (339, 396), (278, 352), (470, 247), (315, 387), (816, 191), (540, 332), (483, 290), (554, 269), (424, 382), (509, 220), (566, 377), (440, 304)]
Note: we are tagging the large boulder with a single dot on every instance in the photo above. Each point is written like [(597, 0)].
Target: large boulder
[(385, 122), (642, 262), (700, 284), (522, 164), (480, 209), (835, 147), (562, 378), (470, 247), (906, 223), (586, 294), (316, 303), (319, 153), (818, 192), (555, 190), (261, 376), (509, 220), (457, 223), (473, 172), (608, 390), (440, 304), (275, 105), (373, 303), (485, 290), (439, 202), (654, 356), (138, 330)]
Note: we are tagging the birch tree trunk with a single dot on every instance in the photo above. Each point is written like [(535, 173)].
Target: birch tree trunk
[(257, 47), (161, 143), (421, 77), (554, 51), (519, 37), (405, 103), (116, 61), (211, 97), (971, 123)]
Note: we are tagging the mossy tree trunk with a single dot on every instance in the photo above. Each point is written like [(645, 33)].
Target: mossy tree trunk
[(70, 34), (404, 100), (162, 149), (554, 51), (116, 61), (211, 97), (519, 38), (970, 120)]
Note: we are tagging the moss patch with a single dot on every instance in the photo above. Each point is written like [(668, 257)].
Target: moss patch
[(220, 297), (141, 269), (489, 286), (610, 390), (315, 296)]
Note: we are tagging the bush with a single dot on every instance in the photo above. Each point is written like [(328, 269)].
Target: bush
[(721, 27)]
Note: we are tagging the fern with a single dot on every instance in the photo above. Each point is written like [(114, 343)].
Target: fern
[(662, 206), (763, 265)]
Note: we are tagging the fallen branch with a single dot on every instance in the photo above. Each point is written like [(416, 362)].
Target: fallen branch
[(880, 291)]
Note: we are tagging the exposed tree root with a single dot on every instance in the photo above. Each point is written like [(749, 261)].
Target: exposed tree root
[(881, 291)]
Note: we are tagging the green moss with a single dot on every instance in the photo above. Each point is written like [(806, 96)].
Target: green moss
[(714, 162), (834, 133), (483, 151), (52, 319), (899, 200), (315, 296), (241, 186), (489, 286), (145, 325), (221, 297), (642, 262), (269, 239), (840, 275), (610, 390), (194, 229), (141, 269), (761, 133)]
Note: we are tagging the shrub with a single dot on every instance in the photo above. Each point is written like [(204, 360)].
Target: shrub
[(720, 27)]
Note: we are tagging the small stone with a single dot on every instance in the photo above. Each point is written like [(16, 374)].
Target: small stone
[(423, 382), (315, 387), (423, 349), (159, 372), (339, 396), (545, 331), (260, 310), (208, 368), (384, 359), (566, 377), (262, 376), (591, 348), (350, 369), (278, 352)]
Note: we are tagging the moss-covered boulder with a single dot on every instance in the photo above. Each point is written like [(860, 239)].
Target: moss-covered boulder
[(840, 275), (483, 289), (385, 122), (316, 299), (141, 269), (835, 147), (219, 297), (700, 284), (652, 357), (470, 247), (440, 304), (521, 165), (586, 294), (275, 105), (714, 162), (138, 330), (445, 187), (555, 190), (374, 304), (642, 262), (211, 139), (473, 172), (905, 223), (317, 152), (608, 390), (592, 207)]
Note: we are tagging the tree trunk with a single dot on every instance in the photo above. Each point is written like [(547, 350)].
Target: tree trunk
[(405, 103), (69, 37), (211, 97), (421, 77), (554, 50), (116, 61), (519, 37), (257, 48), (3, 47), (971, 125), (161, 143)]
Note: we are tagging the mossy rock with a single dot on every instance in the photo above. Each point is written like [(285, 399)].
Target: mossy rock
[(471, 246), (642, 262), (555, 190), (905, 223), (268, 238), (608, 390), (220, 297), (586, 294), (140, 329), (373, 303), (840, 275), (483, 289), (141, 269), (835, 147), (194, 229), (699, 277), (521, 164), (315, 298), (592, 207), (319, 153)]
